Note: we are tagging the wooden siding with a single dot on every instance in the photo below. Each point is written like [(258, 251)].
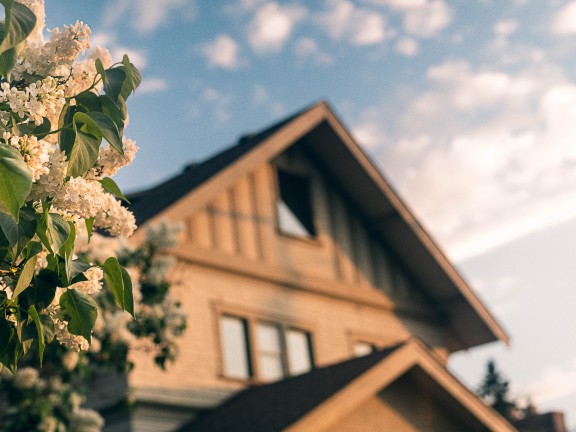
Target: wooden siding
[(342, 283)]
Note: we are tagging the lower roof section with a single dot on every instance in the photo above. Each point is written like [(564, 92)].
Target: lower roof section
[(405, 385)]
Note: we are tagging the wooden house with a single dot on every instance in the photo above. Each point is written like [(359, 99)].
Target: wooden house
[(315, 299)]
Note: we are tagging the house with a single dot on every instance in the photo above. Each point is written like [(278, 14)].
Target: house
[(316, 300)]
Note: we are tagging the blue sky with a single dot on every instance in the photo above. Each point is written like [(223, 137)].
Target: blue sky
[(468, 106)]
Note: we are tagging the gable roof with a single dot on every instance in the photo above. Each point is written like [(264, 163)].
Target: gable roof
[(323, 397), (324, 136)]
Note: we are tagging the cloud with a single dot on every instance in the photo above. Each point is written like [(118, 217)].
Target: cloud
[(218, 102), (359, 26), (564, 22), (147, 15), (272, 26), (421, 18), (554, 383), (223, 52), (407, 46), (496, 148), (369, 134), (109, 41), (307, 49), (152, 85), (505, 27)]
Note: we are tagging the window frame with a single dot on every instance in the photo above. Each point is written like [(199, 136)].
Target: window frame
[(252, 319), (311, 237)]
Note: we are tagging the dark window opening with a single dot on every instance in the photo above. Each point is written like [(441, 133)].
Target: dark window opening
[(295, 214)]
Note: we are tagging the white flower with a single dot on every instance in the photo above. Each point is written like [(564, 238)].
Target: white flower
[(50, 183), (70, 360), (25, 378), (93, 284), (86, 420), (110, 160), (35, 152)]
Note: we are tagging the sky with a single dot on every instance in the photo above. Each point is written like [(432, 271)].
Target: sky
[(468, 107)]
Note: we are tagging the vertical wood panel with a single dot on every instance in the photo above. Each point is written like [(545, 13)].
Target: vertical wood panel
[(354, 236), (364, 258), (336, 259), (200, 229), (343, 239), (264, 183), (246, 220), (223, 224)]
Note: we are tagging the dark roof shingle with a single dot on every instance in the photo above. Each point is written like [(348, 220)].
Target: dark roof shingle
[(275, 406)]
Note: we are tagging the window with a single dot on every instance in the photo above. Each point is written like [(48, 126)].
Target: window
[(235, 349), (294, 206), (298, 345), (277, 350), (269, 352), (363, 348)]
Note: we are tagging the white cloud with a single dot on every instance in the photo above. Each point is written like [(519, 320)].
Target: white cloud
[(498, 151), (272, 26), (505, 27), (152, 85), (223, 52), (307, 49), (555, 382), (407, 46), (147, 15), (369, 134), (344, 21), (565, 20), (218, 102), (427, 20), (402, 4), (108, 40)]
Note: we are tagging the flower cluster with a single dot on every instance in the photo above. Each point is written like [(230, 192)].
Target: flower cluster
[(34, 151), (56, 56), (60, 411), (61, 141), (41, 99)]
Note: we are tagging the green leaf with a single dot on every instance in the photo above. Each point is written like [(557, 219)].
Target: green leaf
[(115, 110), (6, 332), (33, 248), (89, 227), (78, 267), (110, 186), (19, 23), (25, 276), (120, 284), (133, 78), (43, 290), (100, 69), (34, 314), (67, 137), (53, 231), (43, 129), (89, 100), (83, 155), (19, 234), (100, 125), (114, 82), (8, 60), (15, 180), (10, 352), (82, 311), (67, 252), (48, 329)]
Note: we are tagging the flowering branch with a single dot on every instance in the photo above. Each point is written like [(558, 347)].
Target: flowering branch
[(59, 102)]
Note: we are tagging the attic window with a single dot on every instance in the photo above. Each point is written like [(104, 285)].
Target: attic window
[(294, 206)]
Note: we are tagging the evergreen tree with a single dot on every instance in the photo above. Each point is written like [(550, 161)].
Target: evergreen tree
[(494, 391)]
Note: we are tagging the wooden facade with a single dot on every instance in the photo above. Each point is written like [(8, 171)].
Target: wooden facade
[(350, 281)]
